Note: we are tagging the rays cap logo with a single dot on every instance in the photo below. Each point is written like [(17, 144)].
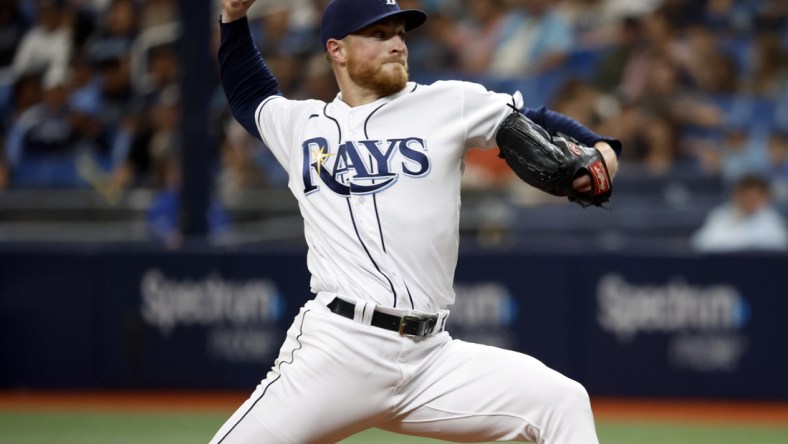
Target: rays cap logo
[(343, 17)]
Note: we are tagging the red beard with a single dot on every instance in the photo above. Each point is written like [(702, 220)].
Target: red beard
[(375, 78)]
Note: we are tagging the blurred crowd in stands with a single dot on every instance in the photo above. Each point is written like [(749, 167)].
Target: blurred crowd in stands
[(89, 92)]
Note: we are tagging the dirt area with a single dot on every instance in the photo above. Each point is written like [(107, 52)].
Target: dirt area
[(694, 411)]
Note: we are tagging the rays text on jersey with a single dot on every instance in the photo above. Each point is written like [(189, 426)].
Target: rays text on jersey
[(364, 166)]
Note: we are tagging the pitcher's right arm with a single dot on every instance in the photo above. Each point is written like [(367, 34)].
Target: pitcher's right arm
[(246, 79)]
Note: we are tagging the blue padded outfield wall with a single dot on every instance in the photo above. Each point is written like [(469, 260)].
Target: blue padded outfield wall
[(620, 324)]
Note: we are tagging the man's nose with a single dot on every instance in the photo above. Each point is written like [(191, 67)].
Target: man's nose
[(398, 45)]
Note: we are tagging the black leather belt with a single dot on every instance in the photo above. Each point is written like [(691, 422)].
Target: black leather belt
[(404, 325)]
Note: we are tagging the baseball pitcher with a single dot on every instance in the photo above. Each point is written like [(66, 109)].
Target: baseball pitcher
[(376, 173)]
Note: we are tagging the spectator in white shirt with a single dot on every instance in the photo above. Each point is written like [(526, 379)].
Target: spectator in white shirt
[(748, 222), (47, 46)]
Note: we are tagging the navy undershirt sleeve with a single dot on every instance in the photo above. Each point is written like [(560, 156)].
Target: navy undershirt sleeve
[(246, 79), (555, 122)]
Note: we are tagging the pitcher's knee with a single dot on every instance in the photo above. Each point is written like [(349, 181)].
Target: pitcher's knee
[(572, 400), (573, 393), (569, 419), (562, 415)]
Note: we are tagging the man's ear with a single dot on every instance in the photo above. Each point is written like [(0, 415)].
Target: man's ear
[(335, 50)]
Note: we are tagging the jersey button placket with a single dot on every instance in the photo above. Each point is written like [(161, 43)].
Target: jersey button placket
[(366, 220)]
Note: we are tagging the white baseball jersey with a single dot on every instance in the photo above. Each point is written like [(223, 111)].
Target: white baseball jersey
[(378, 185)]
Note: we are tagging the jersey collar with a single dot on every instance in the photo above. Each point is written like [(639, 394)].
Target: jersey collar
[(340, 105)]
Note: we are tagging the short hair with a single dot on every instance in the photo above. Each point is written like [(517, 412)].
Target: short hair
[(753, 181)]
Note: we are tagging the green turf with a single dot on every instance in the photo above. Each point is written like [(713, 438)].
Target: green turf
[(634, 433), (107, 428), (667, 433), (123, 428)]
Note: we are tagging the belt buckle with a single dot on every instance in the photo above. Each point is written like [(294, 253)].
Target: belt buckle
[(405, 319)]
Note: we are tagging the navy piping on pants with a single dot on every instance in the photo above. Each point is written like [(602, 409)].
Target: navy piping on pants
[(298, 339)]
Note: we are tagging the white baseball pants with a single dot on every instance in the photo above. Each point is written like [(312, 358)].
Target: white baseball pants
[(335, 377)]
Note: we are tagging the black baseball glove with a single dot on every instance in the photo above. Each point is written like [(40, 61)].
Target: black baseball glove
[(552, 162)]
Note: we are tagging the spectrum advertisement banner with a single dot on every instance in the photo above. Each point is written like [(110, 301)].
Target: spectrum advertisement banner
[(621, 325), (209, 320), (686, 327)]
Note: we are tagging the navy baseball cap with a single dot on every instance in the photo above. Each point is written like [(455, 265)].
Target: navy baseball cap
[(343, 17)]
